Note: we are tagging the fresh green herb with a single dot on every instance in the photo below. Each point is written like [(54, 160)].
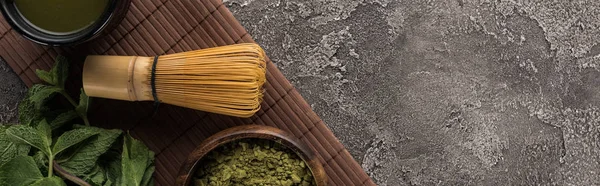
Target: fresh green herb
[(28, 113), (42, 94), (24, 134), (57, 78), (253, 162), (63, 118), (58, 75), (50, 181), (136, 162), (80, 161), (21, 170), (47, 148), (10, 149)]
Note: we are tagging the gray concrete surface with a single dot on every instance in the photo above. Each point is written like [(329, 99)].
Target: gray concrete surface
[(441, 92), (446, 92), (12, 90)]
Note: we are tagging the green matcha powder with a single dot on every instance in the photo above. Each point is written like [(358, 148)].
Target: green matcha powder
[(253, 162)]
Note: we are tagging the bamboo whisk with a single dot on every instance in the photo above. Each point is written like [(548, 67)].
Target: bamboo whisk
[(226, 80)]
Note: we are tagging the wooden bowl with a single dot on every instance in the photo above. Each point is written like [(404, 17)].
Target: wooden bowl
[(187, 171)]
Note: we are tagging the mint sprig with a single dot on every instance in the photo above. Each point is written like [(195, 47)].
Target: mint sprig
[(57, 78), (47, 142)]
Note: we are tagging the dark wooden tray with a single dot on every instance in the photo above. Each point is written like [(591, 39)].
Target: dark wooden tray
[(155, 27)]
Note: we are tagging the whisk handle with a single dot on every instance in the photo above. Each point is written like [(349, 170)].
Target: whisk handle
[(116, 77)]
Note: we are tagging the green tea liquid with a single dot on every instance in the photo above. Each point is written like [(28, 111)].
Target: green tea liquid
[(61, 16)]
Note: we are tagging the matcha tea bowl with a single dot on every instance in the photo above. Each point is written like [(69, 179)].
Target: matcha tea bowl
[(63, 22), (252, 155)]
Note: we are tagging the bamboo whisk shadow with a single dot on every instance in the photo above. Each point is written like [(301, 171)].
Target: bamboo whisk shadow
[(225, 80)]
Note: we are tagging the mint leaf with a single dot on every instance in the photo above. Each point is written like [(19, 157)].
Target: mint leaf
[(148, 179), (60, 71), (135, 161), (71, 138), (9, 149), (46, 76), (28, 113), (86, 157), (57, 76), (20, 171), (63, 118), (96, 177), (41, 94), (44, 131), (41, 161), (84, 100), (51, 181), (23, 134), (113, 172)]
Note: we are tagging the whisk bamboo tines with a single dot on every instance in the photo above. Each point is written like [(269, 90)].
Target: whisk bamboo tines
[(226, 80)]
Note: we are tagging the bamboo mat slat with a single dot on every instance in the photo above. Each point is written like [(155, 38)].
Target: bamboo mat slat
[(157, 27)]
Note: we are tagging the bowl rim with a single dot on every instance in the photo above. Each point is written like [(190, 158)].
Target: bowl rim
[(305, 152), (19, 24)]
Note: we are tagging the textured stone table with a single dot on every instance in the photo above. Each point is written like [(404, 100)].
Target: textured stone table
[(446, 92)]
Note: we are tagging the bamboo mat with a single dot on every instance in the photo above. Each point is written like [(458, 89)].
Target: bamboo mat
[(156, 27)]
